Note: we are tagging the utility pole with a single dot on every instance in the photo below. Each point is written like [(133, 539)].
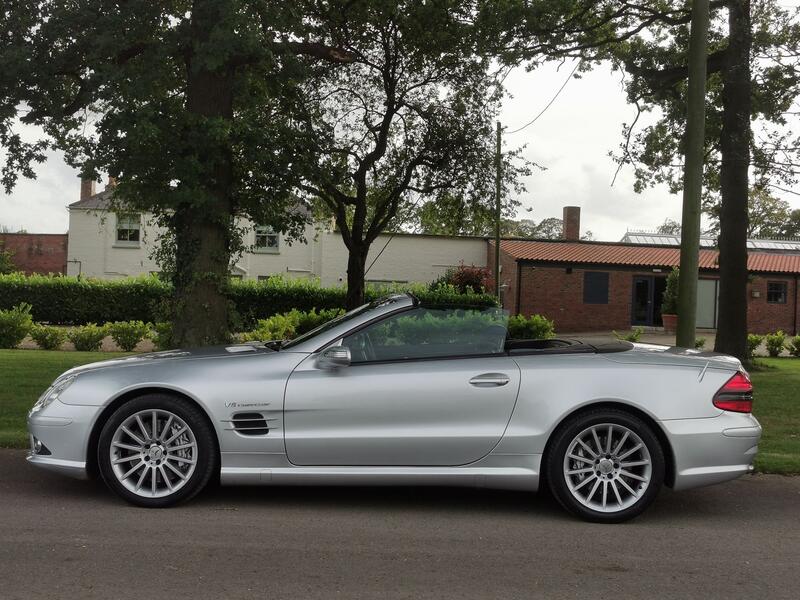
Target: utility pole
[(497, 210), (693, 176)]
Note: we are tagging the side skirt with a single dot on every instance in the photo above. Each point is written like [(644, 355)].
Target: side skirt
[(522, 477)]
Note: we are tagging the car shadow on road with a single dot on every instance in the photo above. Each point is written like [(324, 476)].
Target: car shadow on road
[(687, 506)]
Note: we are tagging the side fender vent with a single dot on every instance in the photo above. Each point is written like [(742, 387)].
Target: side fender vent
[(250, 423)]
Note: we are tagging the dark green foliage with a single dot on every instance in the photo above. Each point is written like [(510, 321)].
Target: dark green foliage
[(793, 346), (535, 327), (128, 334), (669, 302), (161, 336), (87, 338), (775, 343), (48, 337), (753, 342), (6, 261), (15, 324), (73, 301), (632, 336)]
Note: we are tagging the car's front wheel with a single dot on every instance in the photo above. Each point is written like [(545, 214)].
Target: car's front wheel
[(157, 450), (605, 465)]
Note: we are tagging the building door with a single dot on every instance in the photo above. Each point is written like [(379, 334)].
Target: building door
[(642, 313), (648, 291), (707, 303)]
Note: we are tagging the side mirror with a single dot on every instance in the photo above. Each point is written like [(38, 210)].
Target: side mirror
[(334, 357)]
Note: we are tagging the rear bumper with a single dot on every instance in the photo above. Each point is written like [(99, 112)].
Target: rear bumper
[(713, 450)]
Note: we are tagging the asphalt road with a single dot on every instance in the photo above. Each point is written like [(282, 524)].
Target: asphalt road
[(69, 539)]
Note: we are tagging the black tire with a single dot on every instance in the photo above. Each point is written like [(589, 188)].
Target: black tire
[(207, 460), (563, 438)]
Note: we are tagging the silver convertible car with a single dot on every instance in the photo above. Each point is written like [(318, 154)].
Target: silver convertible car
[(397, 392)]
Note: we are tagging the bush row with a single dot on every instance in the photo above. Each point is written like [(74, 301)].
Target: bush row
[(17, 323), (76, 301), (776, 343)]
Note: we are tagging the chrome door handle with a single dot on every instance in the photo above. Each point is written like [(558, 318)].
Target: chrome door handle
[(489, 380)]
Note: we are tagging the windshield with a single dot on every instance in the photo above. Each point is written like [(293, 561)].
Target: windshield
[(339, 320)]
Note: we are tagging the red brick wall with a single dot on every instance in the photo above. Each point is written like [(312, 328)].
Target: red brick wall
[(558, 295), (763, 317), (554, 293), (37, 252)]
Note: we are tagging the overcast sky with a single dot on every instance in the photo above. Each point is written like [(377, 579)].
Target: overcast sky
[(571, 139)]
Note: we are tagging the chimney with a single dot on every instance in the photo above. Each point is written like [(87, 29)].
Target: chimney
[(112, 182), (87, 188), (572, 223)]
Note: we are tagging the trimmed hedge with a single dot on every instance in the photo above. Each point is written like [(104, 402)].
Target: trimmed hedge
[(73, 301)]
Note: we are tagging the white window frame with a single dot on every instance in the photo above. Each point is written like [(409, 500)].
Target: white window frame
[(267, 233), (128, 223)]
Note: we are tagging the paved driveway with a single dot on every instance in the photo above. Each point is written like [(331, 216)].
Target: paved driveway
[(69, 539)]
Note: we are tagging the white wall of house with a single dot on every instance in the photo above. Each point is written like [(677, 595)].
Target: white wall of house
[(95, 251)]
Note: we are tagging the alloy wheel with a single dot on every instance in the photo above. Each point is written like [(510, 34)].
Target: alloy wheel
[(153, 453), (607, 467)]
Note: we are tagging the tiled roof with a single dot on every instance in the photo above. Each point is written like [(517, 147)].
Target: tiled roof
[(636, 255), (99, 201)]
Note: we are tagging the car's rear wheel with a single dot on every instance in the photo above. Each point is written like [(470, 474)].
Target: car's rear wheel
[(605, 465), (157, 450)]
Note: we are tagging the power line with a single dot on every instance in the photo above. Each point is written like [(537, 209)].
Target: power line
[(553, 99)]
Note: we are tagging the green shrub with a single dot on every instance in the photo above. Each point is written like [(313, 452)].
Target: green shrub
[(15, 324), (128, 334), (74, 301), (632, 336), (535, 327), (161, 335), (48, 337), (775, 343), (87, 338), (793, 345), (700, 343), (289, 325), (669, 301), (753, 342)]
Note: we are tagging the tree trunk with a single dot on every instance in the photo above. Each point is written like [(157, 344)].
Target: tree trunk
[(735, 149), (202, 227), (693, 176), (356, 266)]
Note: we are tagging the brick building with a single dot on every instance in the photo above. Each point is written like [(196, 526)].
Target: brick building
[(591, 286), (37, 252)]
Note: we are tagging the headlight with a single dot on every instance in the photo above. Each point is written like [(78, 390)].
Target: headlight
[(52, 393)]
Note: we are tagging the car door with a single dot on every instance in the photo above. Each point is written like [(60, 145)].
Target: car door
[(424, 387)]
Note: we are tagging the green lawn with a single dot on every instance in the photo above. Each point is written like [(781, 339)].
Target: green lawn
[(25, 374), (776, 382)]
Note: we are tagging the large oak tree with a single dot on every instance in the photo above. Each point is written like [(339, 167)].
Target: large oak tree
[(184, 101)]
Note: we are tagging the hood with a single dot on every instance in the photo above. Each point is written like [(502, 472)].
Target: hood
[(218, 352)]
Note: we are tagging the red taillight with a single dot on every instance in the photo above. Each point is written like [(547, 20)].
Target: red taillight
[(736, 395)]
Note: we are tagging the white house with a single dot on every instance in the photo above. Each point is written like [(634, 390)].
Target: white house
[(107, 245)]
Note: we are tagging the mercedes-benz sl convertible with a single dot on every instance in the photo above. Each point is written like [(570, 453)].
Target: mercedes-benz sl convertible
[(397, 392)]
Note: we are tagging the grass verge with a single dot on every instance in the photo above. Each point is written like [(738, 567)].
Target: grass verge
[(776, 382), (24, 375)]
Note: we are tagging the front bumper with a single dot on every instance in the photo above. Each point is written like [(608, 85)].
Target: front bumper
[(70, 468), (713, 450), (63, 431)]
